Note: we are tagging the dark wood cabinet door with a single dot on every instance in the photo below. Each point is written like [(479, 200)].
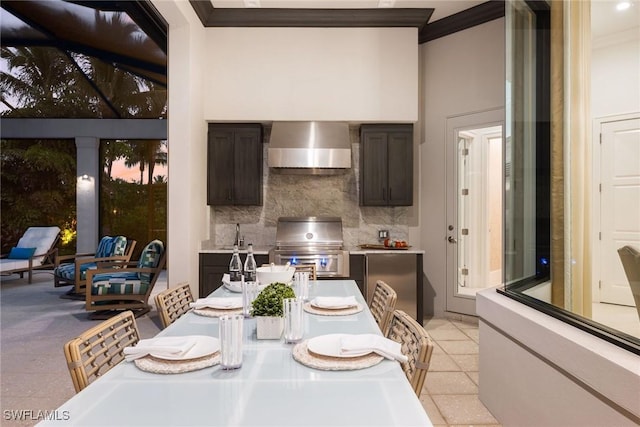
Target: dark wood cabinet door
[(234, 164), (373, 168), (214, 265), (400, 176), (219, 167), (247, 162), (386, 165)]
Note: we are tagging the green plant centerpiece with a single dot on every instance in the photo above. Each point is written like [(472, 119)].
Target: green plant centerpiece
[(268, 311), (269, 301)]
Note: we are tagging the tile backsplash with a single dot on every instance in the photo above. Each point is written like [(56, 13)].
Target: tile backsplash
[(307, 195)]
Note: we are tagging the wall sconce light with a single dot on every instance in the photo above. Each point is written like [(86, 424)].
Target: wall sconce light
[(85, 177)]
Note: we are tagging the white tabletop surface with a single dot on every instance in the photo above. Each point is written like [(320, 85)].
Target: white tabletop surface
[(271, 388)]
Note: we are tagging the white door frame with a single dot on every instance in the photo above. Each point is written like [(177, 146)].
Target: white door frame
[(455, 302)]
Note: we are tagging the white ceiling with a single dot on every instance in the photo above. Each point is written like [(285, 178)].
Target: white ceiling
[(606, 20), (441, 8)]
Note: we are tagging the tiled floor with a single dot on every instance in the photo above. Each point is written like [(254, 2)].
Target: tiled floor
[(35, 323), (450, 393)]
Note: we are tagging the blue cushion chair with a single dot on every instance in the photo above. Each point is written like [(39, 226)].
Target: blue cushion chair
[(35, 250), (72, 269), (111, 291)]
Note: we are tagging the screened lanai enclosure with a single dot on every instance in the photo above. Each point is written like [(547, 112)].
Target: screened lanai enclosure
[(84, 108)]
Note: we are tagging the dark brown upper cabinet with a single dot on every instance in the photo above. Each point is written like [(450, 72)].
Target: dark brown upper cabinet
[(386, 165), (234, 164)]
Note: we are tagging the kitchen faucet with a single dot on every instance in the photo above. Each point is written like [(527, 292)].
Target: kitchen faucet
[(239, 241)]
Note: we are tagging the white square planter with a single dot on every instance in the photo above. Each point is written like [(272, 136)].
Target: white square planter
[(269, 328)]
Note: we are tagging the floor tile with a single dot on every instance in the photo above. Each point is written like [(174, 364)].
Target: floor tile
[(463, 409), (459, 347), (449, 383), (446, 334), (433, 323), (432, 410), (466, 362), (474, 334), (442, 362)]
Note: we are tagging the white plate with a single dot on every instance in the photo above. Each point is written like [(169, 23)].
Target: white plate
[(332, 307), (233, 288), (204, 346), (329, 345)]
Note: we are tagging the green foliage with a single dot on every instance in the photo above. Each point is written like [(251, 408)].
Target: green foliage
[(269, 301), (38, 181)]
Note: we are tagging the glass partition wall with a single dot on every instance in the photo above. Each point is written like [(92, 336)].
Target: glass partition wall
[(547, 161)]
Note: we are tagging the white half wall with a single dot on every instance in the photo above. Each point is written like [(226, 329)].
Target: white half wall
[(461, 73), (344, 74), (536, 370)]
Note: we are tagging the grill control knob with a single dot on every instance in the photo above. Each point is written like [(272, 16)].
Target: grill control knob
[(309, 236)]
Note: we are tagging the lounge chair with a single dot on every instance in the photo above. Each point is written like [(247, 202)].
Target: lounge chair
[(35, 250), (109, 291), (72, 269)]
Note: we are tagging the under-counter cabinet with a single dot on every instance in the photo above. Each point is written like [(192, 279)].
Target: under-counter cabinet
[(214, 265), (234, 164), (386, 165)]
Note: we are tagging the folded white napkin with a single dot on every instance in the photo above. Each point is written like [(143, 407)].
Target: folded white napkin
[(213, 302), (333, 302), (170, 347), (354, 344)]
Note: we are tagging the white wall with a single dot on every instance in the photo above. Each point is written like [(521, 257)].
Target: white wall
[(460, 74), (615, 71), (345, 74), (187, 218)]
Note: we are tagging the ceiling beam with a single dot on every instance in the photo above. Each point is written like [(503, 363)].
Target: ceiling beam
[(471, 17), (323, 18)]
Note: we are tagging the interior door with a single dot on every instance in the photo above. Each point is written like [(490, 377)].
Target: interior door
[(619, 205), (474, 207)]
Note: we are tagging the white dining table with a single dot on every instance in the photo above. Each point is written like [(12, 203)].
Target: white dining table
[(270, 389)]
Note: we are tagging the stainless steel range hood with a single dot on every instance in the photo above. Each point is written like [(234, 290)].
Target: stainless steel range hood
[(319, 148)]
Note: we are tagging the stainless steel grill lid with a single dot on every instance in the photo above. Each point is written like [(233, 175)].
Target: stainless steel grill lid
[(301, 232)]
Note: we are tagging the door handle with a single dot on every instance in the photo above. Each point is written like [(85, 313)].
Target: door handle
[(450, 239)]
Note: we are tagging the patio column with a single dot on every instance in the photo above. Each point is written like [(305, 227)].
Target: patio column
[(87, 190)]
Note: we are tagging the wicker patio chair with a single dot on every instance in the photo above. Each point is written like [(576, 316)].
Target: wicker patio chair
[(173, 303), (416, 345), (309, 268), (100, 348), (382, 303), (109, 291)]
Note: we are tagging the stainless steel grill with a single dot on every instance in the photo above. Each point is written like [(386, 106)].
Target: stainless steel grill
[(312, 240)]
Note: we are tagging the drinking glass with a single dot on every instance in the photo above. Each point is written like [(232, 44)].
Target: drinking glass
[(301, 284), (293, 324), (231, 333), (249, 293)]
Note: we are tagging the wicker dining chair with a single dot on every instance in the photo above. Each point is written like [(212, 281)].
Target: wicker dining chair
[(382, 303), (173, 303), (416, 345), (309, 268), (100, 348)]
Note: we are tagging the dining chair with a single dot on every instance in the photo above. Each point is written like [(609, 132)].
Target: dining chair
[(100, 348), (309, 268), (630, 258), (382, 303), (173, 303), (416, 345)]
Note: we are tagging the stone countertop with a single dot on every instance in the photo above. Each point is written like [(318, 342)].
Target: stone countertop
[(352, 251), (229, 250)]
